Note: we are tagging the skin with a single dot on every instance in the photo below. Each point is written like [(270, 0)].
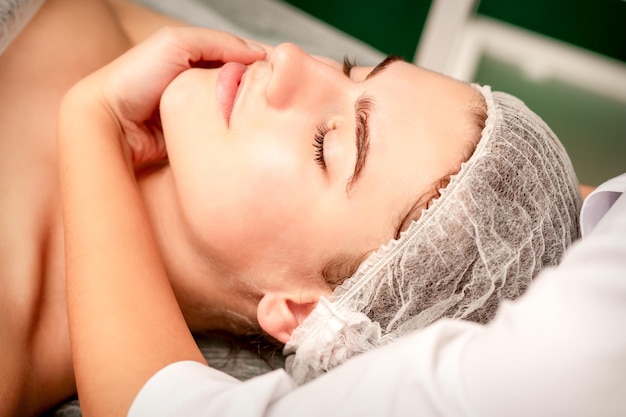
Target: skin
[(231, 179), (235, 250), (35, 363)]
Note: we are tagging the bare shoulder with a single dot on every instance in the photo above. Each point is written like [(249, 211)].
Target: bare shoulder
[(65, 41), (140, 22)]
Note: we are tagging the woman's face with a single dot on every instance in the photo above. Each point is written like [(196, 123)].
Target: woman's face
[(310, 165)]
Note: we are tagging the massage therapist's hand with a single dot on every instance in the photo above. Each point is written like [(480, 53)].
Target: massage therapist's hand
[(130, 87)]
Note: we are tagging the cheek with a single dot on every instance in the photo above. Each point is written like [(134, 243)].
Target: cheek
[(272, 183), (189, 101), (190, 119), (244, 195)]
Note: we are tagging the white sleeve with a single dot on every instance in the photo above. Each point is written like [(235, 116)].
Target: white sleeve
[(560, 350), (192, 389), (599, 201)]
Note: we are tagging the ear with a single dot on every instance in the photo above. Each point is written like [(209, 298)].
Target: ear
[(279, 315)]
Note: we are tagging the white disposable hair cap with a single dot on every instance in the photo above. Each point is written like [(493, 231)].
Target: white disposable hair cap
[(511, 210)]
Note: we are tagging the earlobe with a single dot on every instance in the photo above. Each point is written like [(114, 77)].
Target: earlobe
[(278, 315)]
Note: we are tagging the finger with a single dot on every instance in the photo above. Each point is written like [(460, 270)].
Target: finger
[(200, 44), (264, 46)]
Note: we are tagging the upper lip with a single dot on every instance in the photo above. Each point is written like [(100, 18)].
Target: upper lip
[(229, 81), (239, 90), (250, 83)]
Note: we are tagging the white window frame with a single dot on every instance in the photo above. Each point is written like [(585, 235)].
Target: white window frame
[(455, 38)]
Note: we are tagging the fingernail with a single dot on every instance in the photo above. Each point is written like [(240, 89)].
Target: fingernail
[(255, 47)]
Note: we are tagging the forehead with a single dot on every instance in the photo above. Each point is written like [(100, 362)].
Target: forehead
[(420, 103), (420, 128)]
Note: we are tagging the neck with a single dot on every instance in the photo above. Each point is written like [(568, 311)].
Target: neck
[(209, 297)]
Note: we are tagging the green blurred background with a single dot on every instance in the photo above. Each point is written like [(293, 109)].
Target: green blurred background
[(591, 126)]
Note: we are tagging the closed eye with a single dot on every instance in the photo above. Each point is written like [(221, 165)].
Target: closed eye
[(318, 143)]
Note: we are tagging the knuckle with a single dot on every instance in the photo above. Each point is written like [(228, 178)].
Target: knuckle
[(167, 34)]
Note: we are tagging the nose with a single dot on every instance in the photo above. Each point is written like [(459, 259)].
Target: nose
[(299, 79)]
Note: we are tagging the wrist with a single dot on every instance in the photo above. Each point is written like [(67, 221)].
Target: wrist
[(85, 117)]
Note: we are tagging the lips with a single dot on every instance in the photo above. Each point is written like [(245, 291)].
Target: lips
[(228, 80)]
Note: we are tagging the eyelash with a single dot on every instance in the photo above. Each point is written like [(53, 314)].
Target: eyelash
[(322, 129), (318, 143)]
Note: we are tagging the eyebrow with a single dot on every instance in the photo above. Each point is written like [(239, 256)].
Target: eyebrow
[(362, 109), (390, 59)]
